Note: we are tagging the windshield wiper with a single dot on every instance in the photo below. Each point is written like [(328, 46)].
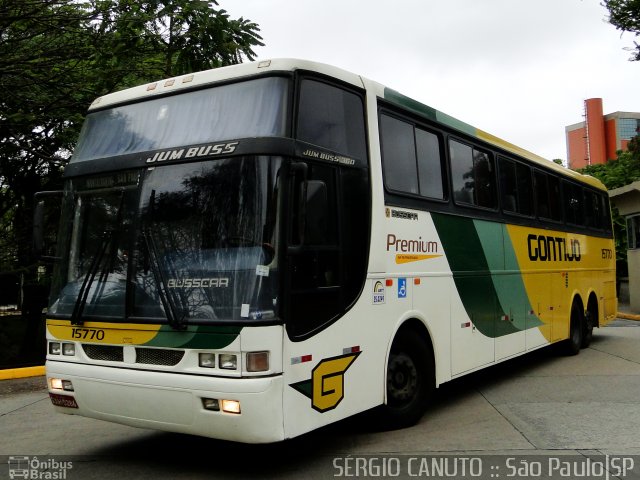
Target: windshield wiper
[(176, 320), (83, 293)]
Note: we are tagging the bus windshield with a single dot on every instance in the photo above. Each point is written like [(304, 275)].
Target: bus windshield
[(188, 242), (254, 108)]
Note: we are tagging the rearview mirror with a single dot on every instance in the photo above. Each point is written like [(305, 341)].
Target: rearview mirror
[(46, 217)]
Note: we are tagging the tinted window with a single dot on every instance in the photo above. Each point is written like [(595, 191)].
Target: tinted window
[(547, 196), (411, 157), (462, 172), (592, 210), (332, 118), (325, 272), (473, 176), (555, 200), (515, 187), (573, 203), (255, 108), (525, 189), (399, 155), (429, 164)]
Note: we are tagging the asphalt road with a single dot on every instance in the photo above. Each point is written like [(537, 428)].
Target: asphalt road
[(515, 418)]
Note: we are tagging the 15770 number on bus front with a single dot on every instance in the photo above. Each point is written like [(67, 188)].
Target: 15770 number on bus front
[(87, 334)]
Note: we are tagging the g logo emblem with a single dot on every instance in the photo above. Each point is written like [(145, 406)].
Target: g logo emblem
[(326, 387)]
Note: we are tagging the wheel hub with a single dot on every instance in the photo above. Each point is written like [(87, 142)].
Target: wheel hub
[(402, 378)]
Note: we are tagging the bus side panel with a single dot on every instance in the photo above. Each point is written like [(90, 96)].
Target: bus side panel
[(432, 302), (608, 302), (339, 371), (557, 268)]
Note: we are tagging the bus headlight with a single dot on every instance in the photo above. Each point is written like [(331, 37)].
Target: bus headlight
[(69, 349), (211, 404), (56, 383), (60, 384), (228, 361), (231, 406), (54, 348), (207, 360), (257, 361)]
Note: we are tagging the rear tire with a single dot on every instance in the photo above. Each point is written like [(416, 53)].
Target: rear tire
[(590, 320), (571, 346), (410, 380)]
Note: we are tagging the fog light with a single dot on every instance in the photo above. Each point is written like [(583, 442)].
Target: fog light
[(54, 348), (207, 360), (231, 406), (67, 385), (68, 349), (56, 383), (211, 404), (228, 361), (257, 361)]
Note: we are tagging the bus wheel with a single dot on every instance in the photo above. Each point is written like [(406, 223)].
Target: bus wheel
[(572, 345), (410, 380), (591, 318)]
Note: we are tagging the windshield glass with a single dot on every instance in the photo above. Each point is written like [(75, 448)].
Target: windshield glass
[(178, 243), (254, 108)]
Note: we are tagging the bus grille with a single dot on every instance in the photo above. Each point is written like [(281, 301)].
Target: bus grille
[(159, 356), (106, 353)]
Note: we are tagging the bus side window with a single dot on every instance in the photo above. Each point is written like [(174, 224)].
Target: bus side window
[(516, 187), (473, 175), (429, 164), (411, 158), (508, 184), (548, 199), (399, 155), (525, 189), (591, 209), (573, 203), (542, 195)]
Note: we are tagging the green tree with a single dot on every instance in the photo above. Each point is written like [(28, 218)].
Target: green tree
[(625, 16), (56, 57), (615, 174)]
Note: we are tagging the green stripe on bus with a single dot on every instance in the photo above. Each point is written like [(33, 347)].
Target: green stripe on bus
[(505, 273), (195, 336), (406, 102), (429, 112), (472, 272)]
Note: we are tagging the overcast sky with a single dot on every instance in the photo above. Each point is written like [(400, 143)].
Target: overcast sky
[(518, 69)]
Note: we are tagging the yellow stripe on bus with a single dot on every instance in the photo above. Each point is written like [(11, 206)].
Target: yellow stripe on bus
[(99, 332)]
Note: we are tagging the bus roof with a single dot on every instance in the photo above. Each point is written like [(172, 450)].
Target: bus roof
[(206, 77)]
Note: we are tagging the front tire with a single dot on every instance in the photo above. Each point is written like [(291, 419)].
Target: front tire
[(410, 380)]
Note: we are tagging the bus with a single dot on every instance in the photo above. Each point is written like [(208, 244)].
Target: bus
[(253, 252)]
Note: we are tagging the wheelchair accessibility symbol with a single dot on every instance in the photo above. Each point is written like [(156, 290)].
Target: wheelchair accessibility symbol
[(402, 288)]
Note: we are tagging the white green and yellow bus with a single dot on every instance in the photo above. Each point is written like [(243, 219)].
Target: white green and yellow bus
[(252, 252)]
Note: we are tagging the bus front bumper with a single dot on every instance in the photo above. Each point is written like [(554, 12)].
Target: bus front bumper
[(172, 401)]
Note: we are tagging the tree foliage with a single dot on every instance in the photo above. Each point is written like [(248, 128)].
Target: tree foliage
[(616, 174), (625, 16), (56, 56), (620, 172)]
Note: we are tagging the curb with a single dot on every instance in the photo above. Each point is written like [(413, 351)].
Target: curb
[(13, 373), (628, 316)]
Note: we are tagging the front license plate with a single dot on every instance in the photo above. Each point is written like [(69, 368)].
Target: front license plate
[(63, 400)]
